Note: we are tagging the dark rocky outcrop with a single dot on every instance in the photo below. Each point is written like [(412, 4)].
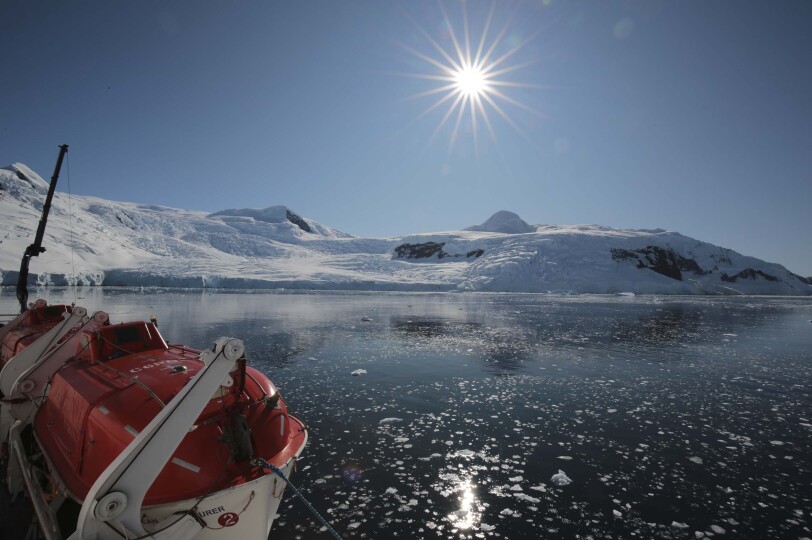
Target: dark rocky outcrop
[(666, 262), (430, 249), (420, 251), (125, 219), (748, 273), (299, 222)]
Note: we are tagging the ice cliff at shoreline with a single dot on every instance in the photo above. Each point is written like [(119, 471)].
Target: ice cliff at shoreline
[(117, 243)]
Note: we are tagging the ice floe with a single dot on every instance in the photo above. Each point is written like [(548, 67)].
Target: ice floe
[(560, 479)]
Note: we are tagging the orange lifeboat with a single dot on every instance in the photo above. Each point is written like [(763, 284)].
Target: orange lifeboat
[(95, 394)]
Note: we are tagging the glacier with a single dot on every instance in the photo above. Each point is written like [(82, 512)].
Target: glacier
[(97, 242)]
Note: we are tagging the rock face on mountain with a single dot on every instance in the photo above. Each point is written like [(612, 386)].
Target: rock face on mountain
[(125, 244), (503, 222), (661, 260), (429, 250)]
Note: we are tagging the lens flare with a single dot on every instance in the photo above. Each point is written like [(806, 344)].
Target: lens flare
[(352, 473), (469, 79)]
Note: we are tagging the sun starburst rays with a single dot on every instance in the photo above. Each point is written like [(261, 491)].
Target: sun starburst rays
[(469, 80)]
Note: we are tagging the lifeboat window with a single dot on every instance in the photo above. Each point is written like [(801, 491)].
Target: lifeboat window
[(127, 334), (47, 314), (52, 313), (123, 340)]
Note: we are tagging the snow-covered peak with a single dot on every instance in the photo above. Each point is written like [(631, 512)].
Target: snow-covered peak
[(24, 173), (504, 222), (277, 215)]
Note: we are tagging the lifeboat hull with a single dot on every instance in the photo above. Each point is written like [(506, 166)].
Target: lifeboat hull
[(244, 511)]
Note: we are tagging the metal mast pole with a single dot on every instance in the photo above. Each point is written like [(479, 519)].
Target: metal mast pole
[(36, 248)]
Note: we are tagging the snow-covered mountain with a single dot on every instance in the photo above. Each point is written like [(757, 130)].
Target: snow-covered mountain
[(117, 243), (503, 222)]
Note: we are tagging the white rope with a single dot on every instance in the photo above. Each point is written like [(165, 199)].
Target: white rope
[(70, 221)]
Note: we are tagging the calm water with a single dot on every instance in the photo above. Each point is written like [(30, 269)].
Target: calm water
[(673, 417)]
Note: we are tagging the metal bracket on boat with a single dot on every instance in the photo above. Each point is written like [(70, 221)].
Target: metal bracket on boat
[(233, 349), (32, 354), (132, 473), (34, 380)]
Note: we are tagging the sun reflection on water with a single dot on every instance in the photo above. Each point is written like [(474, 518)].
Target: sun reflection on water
[(468, 515)]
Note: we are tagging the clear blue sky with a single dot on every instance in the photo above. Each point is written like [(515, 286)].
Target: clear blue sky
[(690, 116)]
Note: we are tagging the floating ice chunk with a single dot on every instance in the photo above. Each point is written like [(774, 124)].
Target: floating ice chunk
[(560, 479), (565, 458), (540, 487), (516, 479), (679, 525), (391, 420), (354, 525), (391, 491), (506, 512), (611, 410), (777, 443), (485, 527), (617, 513), (358, 372), (526, 497), (696, 459), (717, 529)]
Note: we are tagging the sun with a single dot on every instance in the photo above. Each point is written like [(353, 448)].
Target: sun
[(469, 76), (470, 81)]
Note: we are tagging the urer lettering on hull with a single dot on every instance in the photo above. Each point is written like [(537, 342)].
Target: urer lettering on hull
[(211, 512)]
